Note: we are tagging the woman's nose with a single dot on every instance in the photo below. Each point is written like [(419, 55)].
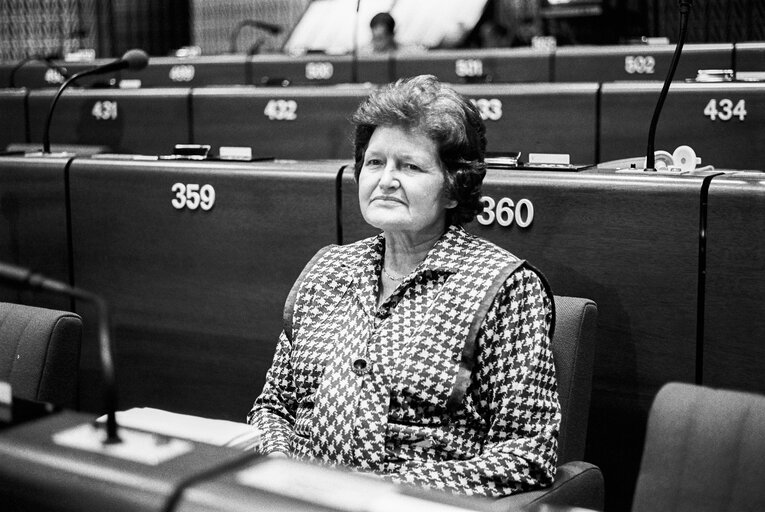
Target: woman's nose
[(388, 177)]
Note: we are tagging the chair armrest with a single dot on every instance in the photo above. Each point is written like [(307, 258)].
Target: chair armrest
[(577, 484)]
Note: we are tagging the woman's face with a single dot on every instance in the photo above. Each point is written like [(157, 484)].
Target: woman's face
[(401, 183)]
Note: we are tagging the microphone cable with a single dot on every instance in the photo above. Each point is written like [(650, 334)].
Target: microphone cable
[(650, 162)]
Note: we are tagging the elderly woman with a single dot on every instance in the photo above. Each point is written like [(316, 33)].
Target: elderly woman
[(421, 354)]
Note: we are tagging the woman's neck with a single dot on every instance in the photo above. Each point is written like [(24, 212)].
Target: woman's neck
[(403, 252)]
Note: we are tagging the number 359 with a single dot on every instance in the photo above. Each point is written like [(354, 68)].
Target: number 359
[(192, 196)]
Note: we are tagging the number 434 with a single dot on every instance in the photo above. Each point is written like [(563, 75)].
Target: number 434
[(724, 110)]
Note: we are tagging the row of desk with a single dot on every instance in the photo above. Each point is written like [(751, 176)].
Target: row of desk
[(497, 65), (197, 273), (59, 464), (592, 122)]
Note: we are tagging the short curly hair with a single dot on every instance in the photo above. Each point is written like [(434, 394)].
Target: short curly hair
[(446, 117)]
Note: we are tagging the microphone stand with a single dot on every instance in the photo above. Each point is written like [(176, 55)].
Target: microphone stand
[(650, 158), (49, 118), (40, 282)]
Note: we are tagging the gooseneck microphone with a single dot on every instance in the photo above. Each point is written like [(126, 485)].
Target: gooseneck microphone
[(650, 162), (24, 277), (134, 60)]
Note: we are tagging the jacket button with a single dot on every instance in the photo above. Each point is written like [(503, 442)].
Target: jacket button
[(360, 366)]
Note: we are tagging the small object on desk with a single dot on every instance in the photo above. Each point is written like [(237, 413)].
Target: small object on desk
[(240, 153), (188, 152), (186, 426)]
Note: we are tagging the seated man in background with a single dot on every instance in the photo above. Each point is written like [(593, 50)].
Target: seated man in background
[(383, 33)]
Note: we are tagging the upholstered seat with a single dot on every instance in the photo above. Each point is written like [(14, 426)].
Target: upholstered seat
[(704, 452), (577, 483), (40, 352)]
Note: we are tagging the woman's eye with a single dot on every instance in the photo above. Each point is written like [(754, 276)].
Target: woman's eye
[(413, 167), (373, 162)]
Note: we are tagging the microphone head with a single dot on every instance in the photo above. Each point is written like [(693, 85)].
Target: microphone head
[(135, 59)]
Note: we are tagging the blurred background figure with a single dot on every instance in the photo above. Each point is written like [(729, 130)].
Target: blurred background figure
[(383, 33)]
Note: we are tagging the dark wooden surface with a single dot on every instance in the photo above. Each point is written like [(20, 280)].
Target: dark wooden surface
[(315, 69), (320, 128), (607, 63), (498, 65), (541, 118), (33, 224), (734, 327), (174, 71), (148, 121), (196, 296), (36, 75), (750, 56), (13, 127), (626, 111)]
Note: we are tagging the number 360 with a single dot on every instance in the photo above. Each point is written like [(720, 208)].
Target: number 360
[(505, 211)]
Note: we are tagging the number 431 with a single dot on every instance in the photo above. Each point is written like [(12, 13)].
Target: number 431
[(724, 110)]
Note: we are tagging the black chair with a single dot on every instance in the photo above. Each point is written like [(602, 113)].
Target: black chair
[(40, 353), (577, 483), (704, 452)]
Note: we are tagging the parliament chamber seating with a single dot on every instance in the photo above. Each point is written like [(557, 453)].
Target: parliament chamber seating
[(197, 294), (492, 65)]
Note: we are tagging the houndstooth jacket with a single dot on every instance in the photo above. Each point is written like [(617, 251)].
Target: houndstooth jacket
[(449, 384)]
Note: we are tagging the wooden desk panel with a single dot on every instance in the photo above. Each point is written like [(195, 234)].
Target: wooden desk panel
[(637, 62), (293, 122), (750, 57), (495, 65), (196, 295), (299, 70), (13, 128), (144, 121), (734, 314), (190, 72), (539, 118), (33, 224), (723, 122)]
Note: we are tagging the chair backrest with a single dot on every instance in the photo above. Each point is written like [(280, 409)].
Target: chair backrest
[(704, 451), (40, 353), (573, 347)]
